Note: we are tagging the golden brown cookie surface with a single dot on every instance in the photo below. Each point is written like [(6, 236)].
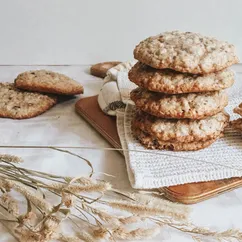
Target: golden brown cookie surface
[(172, 82), (100, 69), (48, 82), (238, 110), (190, 105), (17, 104), (181, 130), (237, 124), (150, 142), (186, 52)]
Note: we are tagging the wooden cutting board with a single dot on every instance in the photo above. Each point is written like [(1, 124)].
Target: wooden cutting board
[(190, 193)]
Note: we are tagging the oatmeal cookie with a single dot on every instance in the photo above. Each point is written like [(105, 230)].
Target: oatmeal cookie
[(48, 82), (150, 142), (173, 82), (237, 124), (17, 104), (183, 130), (100, 69), (191, 105), (186, 52), (238, 110)]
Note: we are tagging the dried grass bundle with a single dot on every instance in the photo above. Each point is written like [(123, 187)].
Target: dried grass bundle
[(67, 199), (11, 205), (30, 195), (137, 234), (63, 238), (10, 158), (91, 215), (149, 209), (77, 188), (85, 236)]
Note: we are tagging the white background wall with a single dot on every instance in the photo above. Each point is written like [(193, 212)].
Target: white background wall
[(89, 31)]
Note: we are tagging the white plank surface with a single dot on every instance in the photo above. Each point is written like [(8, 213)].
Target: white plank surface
[(62, 126)]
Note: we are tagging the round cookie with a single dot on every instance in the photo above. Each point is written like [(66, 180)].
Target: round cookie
[(100, 69), (186, 52), (48, 82), (238, 110), (17, 104), (150, 142), (191, 105), (183, 130), (237, 124), (172, 82)]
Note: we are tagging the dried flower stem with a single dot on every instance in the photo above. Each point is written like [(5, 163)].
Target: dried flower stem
[(80, 157)]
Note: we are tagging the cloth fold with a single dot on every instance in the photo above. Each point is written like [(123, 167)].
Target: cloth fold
[(153, 168), (114, 94)]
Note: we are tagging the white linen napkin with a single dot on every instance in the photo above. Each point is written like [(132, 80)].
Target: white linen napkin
[(153, 169), (115, 90)]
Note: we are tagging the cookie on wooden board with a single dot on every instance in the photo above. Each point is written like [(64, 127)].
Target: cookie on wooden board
[(150, 142), (190, 105), (17, 104), (181, 130), (48, 82), (173, 82), (186, 52)]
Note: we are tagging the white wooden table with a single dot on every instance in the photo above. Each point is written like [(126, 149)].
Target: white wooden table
[(61, 126)]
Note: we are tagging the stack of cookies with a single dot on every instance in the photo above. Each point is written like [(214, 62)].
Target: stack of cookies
[(180, 98), (34, 92)]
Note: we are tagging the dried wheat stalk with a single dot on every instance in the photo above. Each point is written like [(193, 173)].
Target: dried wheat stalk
[(83, 203)]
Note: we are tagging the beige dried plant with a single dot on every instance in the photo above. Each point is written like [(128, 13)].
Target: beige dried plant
[(88, 205)]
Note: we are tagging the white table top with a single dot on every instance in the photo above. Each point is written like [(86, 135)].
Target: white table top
[(61, 126)]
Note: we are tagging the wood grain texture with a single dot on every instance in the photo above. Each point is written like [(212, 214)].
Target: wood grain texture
[(89, 109), (190, 193), (196, 192)]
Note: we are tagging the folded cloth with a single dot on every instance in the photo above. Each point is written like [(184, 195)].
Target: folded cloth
[(115, 91), (153, 168)]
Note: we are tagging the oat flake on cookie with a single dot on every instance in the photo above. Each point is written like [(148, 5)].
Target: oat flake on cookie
[(186, 52)]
